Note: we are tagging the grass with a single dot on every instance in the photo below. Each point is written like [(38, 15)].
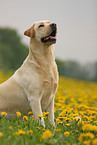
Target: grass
[(75, 118)]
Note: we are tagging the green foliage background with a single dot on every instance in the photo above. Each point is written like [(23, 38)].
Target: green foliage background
[(13, 52)]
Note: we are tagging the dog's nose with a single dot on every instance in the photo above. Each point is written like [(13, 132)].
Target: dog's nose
[(53, 26)]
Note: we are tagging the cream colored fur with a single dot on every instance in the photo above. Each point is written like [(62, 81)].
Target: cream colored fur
[(33, 86)]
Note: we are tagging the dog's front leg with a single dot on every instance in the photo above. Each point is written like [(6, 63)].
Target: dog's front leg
[(36, 109), (50, 109)]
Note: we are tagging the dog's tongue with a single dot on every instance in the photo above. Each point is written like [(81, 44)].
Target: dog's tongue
[(46, 38), (49, 37)]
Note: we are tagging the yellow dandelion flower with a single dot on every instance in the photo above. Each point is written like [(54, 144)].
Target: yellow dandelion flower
[(57, 130), (40, 116), (18, 126), (61, 118), (18, 114), (80, 123), (67, 124), (87, 142), (10, 127), (58, 119), (94, 142), (33, 117), (29, 132), (38, 128), (94, 128), (68, 119), (66, 133), (89, 127), (25, 118), (1, 134), (20, 132), (45, 117), (81, 137), (47, 134), (95, 121), (86, 127), (3, 113), (76, 131), (43, 129), (30, 112), (60, 122), (45, 113), (86, 136)]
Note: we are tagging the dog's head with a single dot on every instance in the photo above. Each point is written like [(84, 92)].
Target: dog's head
[(43, 31)]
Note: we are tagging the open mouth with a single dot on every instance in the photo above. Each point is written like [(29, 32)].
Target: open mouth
[(51, 38)]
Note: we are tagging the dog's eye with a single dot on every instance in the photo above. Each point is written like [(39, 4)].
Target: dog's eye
[(41, 25)]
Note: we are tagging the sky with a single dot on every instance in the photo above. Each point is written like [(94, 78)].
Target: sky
[(76, 20)]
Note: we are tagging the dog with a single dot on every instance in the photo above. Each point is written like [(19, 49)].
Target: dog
[(34, 85)]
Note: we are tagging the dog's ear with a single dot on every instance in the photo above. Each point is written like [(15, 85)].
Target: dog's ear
[(29, 32)]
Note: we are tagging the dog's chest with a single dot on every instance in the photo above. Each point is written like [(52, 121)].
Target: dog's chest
[(49, 87), (50, 80)]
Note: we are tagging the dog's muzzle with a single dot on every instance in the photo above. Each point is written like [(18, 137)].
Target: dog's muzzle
[(52, 37)]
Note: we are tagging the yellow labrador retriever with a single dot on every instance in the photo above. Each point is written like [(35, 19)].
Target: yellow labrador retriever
[(34, 84)]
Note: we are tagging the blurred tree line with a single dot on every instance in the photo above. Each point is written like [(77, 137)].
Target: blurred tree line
[(74, 69), (13, 52)]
